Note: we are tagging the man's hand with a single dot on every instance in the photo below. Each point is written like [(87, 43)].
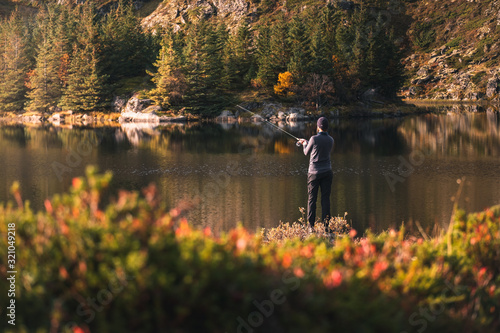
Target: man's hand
[(303, 142)]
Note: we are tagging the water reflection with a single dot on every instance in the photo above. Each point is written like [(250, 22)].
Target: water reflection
[(468, 134), (250, 172)]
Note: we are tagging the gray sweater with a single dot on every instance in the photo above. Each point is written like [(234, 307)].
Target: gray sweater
[(319, 146)]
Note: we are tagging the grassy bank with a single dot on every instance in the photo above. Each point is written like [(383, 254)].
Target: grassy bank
[(87, 263)]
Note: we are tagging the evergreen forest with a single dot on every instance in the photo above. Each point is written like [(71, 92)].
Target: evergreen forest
[(79, 56)]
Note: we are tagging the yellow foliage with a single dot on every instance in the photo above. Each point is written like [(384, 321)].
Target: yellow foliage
[(285, 84)]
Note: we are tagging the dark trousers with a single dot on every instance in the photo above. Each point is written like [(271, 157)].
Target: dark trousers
[(314, 182)]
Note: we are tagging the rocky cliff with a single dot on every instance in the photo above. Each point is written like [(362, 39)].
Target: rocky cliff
[(454, 48), (177, 12)]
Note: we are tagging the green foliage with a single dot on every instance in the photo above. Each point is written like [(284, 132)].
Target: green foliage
[(204, 68), (131, 265), (48, 78), (454, 42), (299, 44), (265, 72), (370, 52), (14, 62), (170, 81), (279, 45), (456, 61), (127, 50), (85, 88), (72, 55), (84, 91), (199, 66), (424, 35), (477, 79), (474, 24), (239, 58)]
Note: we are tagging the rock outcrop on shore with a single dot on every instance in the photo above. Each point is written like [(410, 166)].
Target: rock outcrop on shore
[(143, 111), (274, 112)]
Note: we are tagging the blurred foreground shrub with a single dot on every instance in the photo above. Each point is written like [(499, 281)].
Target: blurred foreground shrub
[(133, 266)]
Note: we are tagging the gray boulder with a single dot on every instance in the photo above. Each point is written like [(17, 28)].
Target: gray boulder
[(300, 111), (295, 116), (415, 90), (140, 110), (152, 109), (137, 105), (474, 96), (492, 87), (423, 71), (233, 7), (118, 103), (226, 116), (463, 81), (178, 119)]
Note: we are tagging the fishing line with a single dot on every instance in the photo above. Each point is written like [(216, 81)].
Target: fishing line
[(298, 143)]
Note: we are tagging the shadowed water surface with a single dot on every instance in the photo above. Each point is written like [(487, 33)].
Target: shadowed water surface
[(386, 171)]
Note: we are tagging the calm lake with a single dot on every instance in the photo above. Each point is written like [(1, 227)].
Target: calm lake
[(386, 171)]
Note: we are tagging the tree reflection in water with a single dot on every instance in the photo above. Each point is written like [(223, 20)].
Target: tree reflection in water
[(250, 172)]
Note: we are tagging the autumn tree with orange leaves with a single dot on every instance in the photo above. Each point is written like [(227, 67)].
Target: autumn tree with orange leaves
[(285, 85)]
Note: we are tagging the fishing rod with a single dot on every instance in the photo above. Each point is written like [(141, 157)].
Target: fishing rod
[(270, 123)]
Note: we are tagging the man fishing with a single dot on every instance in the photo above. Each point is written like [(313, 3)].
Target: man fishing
[(320, 173)]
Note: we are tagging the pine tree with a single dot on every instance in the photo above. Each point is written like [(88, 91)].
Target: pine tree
[(320, 54), (358, 63), (85, 89), (204, 68), (48, 78), (86, 85), (13, 63), (245, 53), (323, 41), (169, 80), (62, 34), (126, 49), (344, 38), (195, 70), (215, 43), (242, 68), (279, 46), (374, 61), (330, 18), (44, 82), (300, 57), (394, 69), (265, 73)]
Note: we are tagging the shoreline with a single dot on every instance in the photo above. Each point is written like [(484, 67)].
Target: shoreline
[(405, 107)]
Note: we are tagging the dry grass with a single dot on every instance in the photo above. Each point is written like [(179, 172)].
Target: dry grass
[(335, 227)]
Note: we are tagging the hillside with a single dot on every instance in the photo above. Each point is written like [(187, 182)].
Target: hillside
[(198, 56), (450, 47), (454, 50)]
